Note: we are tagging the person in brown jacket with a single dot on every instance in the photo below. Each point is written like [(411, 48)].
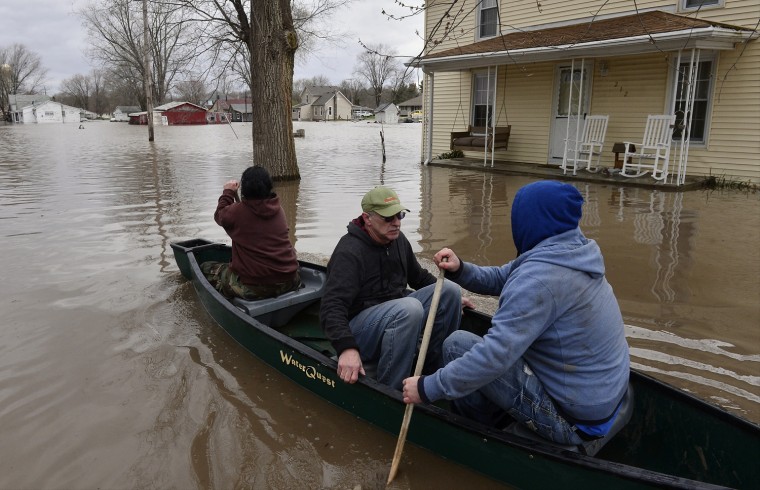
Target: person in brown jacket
[(264, 262)]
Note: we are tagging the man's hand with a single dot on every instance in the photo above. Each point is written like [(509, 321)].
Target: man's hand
[(452, 262), (411, 395), (467, 303), (350, 366), (232, 185)]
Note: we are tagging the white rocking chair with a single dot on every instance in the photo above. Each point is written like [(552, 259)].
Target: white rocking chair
[(658, 136), (590, 145)]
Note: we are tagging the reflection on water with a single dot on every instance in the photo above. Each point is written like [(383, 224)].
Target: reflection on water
[(110, 371)]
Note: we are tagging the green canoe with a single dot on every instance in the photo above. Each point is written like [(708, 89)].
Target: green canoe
[(673, 440)]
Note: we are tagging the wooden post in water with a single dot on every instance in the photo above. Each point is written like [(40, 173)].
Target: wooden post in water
[(146, 72), (382, 143)]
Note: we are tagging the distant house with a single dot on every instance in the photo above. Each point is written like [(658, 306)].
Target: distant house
[(406, 108), (242, 112), (172, 114), (239, 110), (46, 112), (387, 113), (16, 102), (121, 113), (322, 104)]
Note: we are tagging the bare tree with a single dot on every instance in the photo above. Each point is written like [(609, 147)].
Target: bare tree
[(352, 88), (99, 94), (258, 40), (193, 91), (379, 65), (115, 30), (21, 71), (77, 90)]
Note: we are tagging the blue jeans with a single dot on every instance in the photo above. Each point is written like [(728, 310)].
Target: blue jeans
[(389, 333), (517, 393)]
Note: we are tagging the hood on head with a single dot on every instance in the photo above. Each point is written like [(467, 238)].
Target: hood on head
[(544, 209)]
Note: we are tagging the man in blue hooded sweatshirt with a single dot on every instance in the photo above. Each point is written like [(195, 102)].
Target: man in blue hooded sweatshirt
[(555, 358)]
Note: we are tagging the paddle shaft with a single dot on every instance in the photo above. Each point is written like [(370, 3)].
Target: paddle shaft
[(417, 371)]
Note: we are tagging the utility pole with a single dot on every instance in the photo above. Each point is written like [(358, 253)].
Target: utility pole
[(146, 72)]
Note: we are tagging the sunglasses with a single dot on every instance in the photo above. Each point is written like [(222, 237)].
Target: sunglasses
[(388, 219)]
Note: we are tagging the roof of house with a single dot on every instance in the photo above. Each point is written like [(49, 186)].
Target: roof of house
[(632, 33), (414, 101), (321, 89), (242, 107), (323, 93), (18, 101), (225, 104), (383, 107), (172, 105)]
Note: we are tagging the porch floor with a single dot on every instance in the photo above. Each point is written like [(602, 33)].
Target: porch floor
[(604, 176)]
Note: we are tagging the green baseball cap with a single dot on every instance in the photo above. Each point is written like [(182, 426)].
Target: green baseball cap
[(383, 201)]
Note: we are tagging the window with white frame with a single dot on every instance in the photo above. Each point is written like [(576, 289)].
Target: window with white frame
[(695, 4), (702, 94), (488, 18), (484, 91)]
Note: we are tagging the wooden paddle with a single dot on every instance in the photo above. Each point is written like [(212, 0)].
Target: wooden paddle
[(417, 372)]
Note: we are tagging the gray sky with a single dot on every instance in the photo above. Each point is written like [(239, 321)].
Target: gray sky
[(51, 29)]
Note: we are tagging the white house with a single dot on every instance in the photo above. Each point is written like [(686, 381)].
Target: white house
[(47, 112), (387, 113), (322, 104), (121, 113)]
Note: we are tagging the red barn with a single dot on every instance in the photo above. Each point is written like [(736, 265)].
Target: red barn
[(176, 113)]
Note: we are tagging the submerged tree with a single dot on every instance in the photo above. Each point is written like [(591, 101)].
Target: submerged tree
[(259, 39)]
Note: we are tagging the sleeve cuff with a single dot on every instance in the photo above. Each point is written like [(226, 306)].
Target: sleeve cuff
[(421, 389)]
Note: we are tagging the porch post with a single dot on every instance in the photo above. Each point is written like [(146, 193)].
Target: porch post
[(689, 112), (673, 105), (493, 112), (429, 119), (488, 107), (578, 116), (569, 108)]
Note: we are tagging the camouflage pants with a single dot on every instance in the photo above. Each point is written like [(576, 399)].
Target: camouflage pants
[(228, 283)]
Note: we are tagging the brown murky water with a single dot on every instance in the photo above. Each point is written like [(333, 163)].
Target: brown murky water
[(112, 375)]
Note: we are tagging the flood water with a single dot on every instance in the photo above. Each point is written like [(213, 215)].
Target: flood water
[(113, 376)]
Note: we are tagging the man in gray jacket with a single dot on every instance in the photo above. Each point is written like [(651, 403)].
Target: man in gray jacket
[(555, 358), (367, 311)]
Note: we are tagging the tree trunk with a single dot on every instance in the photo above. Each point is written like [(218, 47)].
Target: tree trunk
[(272, 46)]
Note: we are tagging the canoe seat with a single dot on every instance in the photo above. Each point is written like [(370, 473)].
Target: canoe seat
[(589, 448), (278, 311)]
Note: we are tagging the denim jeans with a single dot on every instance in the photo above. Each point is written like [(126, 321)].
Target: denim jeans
[(517, 393), (388, 334)]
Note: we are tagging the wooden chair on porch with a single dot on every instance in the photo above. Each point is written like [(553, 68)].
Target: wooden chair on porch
[(654, 148), (581, 152)]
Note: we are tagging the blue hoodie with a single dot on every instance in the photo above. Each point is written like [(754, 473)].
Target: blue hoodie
[(556, 311)]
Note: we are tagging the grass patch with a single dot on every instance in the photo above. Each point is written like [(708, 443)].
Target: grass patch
[(450, 155), (723, 182)]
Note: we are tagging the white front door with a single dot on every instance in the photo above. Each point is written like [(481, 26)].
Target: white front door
[(572, 85)]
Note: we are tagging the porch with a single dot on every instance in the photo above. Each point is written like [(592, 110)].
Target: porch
[(545, 171), (548, 82)]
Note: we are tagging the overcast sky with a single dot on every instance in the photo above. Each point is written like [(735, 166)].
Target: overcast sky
[(53, 30)]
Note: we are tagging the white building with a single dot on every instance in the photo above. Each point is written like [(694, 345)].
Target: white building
[(121, 113), (387, 113), (47, 112)]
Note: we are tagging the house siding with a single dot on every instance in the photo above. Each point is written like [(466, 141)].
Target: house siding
[(634, 87)]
